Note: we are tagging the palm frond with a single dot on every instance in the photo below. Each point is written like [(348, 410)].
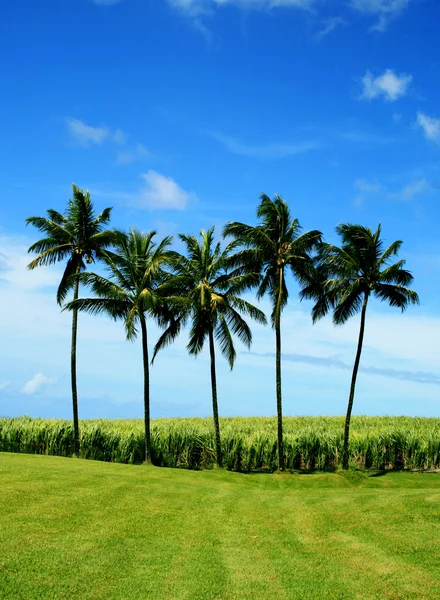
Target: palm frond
[(392, 250), (53, 229), (238, 326), (396, 274), (349, 304), (197, 335), (226, 343), (98, 306), (247, 309), (168, 336), (68, 278), (396, 295), (49, 255)]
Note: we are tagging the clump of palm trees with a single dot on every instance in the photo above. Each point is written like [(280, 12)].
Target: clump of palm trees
[(203, 288)]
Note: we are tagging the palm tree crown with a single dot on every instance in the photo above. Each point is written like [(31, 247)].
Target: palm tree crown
[(78, 236), (272, 248), (135, 269), (359, 268), (207, 290)]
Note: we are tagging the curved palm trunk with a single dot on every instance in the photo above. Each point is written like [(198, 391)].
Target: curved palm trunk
[(218, 446), (345, 454), (146, 390), (278, 379), (76, 442)]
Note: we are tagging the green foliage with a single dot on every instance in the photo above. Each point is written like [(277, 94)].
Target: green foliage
[(248, 444), (359, 268), (135, 269), (78, 237), (205, 290), (272, 248)]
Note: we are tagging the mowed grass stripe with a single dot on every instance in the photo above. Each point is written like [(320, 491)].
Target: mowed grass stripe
[(72, 528)]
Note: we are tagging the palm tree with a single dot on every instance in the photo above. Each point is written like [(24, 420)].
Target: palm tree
[(272, 248), (79, 238), (344, 280), (206, 291), (131, 293)]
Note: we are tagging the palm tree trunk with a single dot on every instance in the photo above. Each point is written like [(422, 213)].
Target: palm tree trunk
[(345, 454), (218, 446), (279, 395), (278, 371), (76, 442), (146, 390)]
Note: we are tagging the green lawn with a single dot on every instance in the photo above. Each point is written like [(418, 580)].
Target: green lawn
[(77, 529)]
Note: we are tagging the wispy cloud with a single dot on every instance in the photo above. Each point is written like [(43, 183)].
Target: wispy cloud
[(86, 135), (330, 25), (197, 10), (430, 126), (333, 362), (265, 151), (415, 188), (129, 156), (357, 136), (37, 383), (199, 7), (384, 11), (388, 85), (4, 385), (365, 188), (105, 2)]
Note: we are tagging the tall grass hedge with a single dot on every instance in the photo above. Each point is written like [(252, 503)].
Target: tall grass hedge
[(248, 444)]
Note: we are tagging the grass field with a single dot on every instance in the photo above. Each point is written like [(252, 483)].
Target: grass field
[(91, 530), (248, 444)]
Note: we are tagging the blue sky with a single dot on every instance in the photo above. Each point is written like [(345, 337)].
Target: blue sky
[(178, 113)]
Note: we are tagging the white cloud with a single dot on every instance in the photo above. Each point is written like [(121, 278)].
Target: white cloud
[(384, 10), (199, 7), (330, 25), (267, 151), (85, 135), (162, 192), (430, 126), (389, 85), (4, 385), (37, 383), (416, 188), (157, 192), (129, 156)]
